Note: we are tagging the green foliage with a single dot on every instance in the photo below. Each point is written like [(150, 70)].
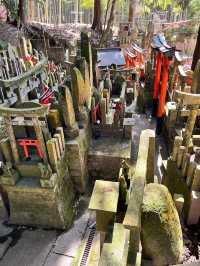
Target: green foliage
[(88, 4), (162, 5), (194, 8)]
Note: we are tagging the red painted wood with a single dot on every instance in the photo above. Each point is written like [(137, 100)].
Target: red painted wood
[(25, 143), (157, 75), (163, 91)]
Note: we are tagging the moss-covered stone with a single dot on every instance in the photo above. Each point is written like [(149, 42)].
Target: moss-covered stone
[(162, 239)]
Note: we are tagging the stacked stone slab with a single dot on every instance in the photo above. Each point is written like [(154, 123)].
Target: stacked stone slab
[(183, 178), (132, 220), (77, 160)]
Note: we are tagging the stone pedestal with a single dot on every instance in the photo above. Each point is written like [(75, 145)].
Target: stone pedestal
[(194, 208), (179, 202)]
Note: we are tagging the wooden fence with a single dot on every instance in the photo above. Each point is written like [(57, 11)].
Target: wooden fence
[(70, 11), (58, 12)]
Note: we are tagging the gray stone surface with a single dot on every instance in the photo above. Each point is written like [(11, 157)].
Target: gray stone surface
[(58, 260), (69, 242), (31, 249), (5, 230), (4, 246)]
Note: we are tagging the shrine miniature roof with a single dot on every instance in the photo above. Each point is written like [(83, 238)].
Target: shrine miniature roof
[(135, 47), (109, 56), (68, 33), (28, 109), (159, 43), (130, 53), (178, 56), (10, 34)]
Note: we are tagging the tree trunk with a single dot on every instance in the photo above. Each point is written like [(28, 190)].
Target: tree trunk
[(196, 55), (109, 24), (97, 24), (133, 10), (21, 12)]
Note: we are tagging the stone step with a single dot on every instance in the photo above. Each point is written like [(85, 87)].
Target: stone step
[(28, 170)]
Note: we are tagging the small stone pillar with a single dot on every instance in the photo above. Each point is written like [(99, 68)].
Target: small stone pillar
[(177, 143), (51, 147), (190, 126), (58, 151), (151, 158), (196, 179), (6, 149), (190, 171), (54, 118), (180, 155), (58, 137), (39, 135), (60, 131), (179, 202), (71, 130), (10, 131), (103, 111), (194, 208)]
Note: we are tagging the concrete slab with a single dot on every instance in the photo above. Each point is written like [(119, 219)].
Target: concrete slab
[(5, 230), (58, 260), (68, 243), (4, 246), (31, 249)]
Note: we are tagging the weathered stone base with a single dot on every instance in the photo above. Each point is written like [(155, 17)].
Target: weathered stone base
[(3, 212), (71, 133), (176, 184), (77, 151), (33, 205), (42, 201), (105, 157)]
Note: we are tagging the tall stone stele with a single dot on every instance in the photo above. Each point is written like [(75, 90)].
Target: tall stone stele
[(86, 52), (83, 66), (79, 96), (71, 128)]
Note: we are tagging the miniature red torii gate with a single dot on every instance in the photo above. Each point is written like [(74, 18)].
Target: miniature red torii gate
[(163, 54), (25, 143)]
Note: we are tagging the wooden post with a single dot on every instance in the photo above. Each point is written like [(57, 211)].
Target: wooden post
[(163, 92), (60, 12), (40, 137), (10, 131), (174, 78), (157, 75), (46, 11)]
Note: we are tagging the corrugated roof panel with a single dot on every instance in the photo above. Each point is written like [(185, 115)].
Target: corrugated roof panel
[(107, 57)]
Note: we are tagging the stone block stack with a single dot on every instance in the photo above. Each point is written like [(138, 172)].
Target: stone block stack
[(183, 180)]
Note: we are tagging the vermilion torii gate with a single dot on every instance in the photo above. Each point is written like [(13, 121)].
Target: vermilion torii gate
[(163, 54)]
